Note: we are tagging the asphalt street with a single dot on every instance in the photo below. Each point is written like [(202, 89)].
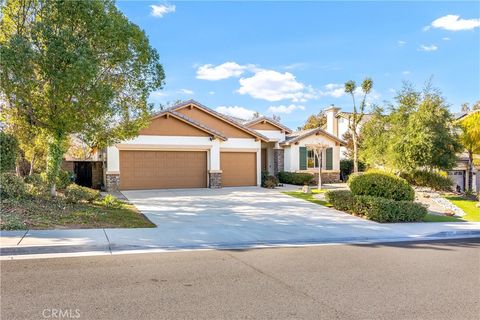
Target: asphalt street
[(426, 280)]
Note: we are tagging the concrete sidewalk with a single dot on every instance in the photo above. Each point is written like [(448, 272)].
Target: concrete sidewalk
[(42, 243), (226, 218)]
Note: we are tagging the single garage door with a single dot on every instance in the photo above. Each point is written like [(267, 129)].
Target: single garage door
[(163, 169), (238, 169)]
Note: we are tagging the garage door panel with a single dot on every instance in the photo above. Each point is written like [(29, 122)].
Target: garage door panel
[(238, 169), (162, 169)]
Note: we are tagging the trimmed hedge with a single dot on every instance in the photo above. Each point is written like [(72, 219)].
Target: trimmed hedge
[(376, 208), (346, 168), (387, 210), (382, 185), (340, 199), (435, 180), (297, 178)]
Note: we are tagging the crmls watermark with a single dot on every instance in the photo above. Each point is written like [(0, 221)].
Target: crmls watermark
[(55, 313)]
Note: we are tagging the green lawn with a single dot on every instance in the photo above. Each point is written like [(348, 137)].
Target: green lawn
[(309, 196), (38, 213), (436, 218), (472, 212)]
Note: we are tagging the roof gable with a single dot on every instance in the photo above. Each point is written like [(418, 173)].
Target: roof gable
[(297, 136), (216, 120), (264, 123), (171, 123)]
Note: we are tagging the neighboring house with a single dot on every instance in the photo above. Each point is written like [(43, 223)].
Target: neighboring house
[(338, 122), (192, 146), (459, 173), (87, 166)]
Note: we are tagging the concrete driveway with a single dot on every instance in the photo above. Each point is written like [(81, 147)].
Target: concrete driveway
[(239, 216)]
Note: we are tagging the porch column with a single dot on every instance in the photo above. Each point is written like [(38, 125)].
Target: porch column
[(214, 172), (336, 158), (278, 159)]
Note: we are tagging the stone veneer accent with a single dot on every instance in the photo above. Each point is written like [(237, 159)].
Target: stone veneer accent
[(215, 180), (278, 161), (113, 182), (328, 177)]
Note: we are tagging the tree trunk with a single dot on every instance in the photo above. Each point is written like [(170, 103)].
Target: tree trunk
[(320, 174), (470, 171), (56, 149), (32, 163), (355, 152)]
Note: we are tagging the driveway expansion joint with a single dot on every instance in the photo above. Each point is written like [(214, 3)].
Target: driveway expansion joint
[(23, 236), (108, 241)]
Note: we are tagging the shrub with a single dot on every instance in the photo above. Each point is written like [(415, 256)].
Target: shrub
[(75, 193), (435, 180), (64, 179), (11, 222), (35, 179), (296, 178), (111, 201), (12, 186), (340, 199), (270, 182), (346, 168), (381, 185), (387, 210), (8, 152)]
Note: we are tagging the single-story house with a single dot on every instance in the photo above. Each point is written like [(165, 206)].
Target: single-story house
[(192, 146)]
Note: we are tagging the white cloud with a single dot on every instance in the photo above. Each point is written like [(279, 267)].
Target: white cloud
[(186, 91), (159, 10), (272, 85), (431, 47), (223, 71), (401, 43), (446, 39), (285, 109), (211, 93), (335, 90), (236, 111), (297, 65), (406, 72), (453, 22)]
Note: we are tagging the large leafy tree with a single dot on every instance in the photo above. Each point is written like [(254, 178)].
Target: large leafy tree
[(315, 121), (470, 139), (355, 119), (417, 133), (375, 140), (75, 68)]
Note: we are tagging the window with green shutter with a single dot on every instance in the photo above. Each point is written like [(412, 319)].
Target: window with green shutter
[(329, 158), (303, 158)]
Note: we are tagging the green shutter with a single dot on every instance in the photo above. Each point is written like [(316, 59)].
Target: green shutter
[(303, 158), (329, 154)]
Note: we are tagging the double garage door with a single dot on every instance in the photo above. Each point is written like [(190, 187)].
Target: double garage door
[(183, 169)]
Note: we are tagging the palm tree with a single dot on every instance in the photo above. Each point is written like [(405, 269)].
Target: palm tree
[(357, 115)]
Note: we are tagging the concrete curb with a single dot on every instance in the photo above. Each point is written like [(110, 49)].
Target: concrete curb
[(40, 252)]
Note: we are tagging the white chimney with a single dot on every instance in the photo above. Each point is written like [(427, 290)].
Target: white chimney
[(332, 121)]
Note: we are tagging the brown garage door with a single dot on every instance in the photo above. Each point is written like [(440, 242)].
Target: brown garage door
[(163, 169), (238, 169)]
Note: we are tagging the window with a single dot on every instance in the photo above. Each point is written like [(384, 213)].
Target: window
[(312, 159)]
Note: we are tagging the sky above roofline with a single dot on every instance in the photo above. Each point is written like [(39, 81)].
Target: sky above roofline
[(291, 59)]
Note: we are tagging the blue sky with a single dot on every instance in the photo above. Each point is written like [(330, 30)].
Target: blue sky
[(291, 59)]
